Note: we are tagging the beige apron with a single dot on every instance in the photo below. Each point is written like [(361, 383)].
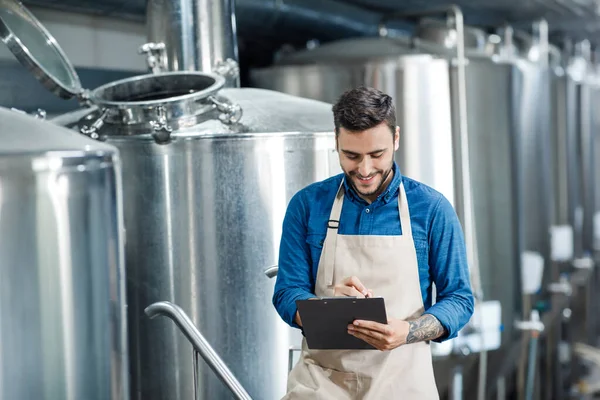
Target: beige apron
[(388, 266)]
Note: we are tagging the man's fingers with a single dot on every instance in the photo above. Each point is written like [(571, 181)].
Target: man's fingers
[(347, 291), (372, 326), (367, 339), (354, 281)]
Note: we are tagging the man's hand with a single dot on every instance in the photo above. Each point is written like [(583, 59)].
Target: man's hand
[(381, 336), (353, 287), (397, 332)]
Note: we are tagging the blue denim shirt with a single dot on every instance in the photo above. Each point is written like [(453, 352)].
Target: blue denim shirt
[(437, 234)]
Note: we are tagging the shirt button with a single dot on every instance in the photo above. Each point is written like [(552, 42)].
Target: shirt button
[(367, 211)]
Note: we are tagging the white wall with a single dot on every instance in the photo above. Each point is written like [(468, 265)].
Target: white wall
[(93, 41)]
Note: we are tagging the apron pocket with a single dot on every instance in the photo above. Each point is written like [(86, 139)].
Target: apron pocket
[(330, 383)]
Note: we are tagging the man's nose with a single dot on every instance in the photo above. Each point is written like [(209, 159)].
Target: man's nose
[(365, 167)]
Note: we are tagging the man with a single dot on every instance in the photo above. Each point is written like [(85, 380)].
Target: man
[(373, 232)]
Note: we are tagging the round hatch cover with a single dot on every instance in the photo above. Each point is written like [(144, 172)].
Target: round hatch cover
[(37, 50)]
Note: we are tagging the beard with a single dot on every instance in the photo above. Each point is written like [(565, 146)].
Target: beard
[(377, 186)]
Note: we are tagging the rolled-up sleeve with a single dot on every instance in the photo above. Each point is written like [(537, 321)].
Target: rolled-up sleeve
[(294, 280), (450, 271)]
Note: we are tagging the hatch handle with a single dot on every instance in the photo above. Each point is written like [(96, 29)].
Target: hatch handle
[(200, 344)]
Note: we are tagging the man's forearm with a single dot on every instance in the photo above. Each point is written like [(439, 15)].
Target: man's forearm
[(426, 327)]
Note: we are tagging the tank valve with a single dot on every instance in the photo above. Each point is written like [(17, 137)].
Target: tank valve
[(583, 263), (563, 286), (534, 324), (155, 56)]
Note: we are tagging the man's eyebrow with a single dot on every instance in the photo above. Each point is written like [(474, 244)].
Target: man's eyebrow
[(357, 154)]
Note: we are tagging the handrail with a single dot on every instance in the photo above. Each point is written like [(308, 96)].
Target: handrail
[(271, 272), (200, 344)]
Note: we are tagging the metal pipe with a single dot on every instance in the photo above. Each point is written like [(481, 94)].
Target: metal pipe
[(531, 367), (209, 355), (199, 35)]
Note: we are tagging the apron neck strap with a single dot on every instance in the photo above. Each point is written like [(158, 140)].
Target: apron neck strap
[(404, 213)]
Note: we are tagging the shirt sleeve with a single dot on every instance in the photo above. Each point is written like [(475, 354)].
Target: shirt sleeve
[(450, 271), (294, 281)]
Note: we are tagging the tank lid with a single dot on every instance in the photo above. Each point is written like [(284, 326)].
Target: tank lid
[(37, 49), (24, 134)]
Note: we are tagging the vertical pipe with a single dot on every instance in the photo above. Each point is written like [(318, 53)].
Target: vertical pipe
[(457, 383), (501, 388), (199, 35)]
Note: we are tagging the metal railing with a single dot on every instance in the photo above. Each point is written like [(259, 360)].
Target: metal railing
[(201, 346)]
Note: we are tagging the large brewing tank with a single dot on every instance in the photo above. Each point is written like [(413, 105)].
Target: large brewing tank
[(62, 291), (422, 74), (587, 92), (531, 88), (208, 173), (588, 127), (564, 240)]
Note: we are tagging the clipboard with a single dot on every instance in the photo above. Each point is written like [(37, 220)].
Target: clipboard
[(325, 321)]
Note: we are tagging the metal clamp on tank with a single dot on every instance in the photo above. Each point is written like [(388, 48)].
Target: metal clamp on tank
[(230, 113), (92, 130), (155, 56), (227, 69), (161, 130)]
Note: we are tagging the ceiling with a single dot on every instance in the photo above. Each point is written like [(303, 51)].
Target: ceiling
[(576, 19)]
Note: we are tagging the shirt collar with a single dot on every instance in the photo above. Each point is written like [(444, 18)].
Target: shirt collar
[(391, 192)]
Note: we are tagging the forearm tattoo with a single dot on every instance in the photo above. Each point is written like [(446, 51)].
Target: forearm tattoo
[(426, 327)]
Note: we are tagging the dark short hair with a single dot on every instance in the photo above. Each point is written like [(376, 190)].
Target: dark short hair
[(363, 108)]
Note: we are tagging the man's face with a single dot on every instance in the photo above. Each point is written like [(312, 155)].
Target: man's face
[(367, 158)]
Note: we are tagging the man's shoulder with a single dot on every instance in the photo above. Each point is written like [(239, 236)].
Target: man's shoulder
[(317, 194), (428, 204), (421, 193), (321, 189)]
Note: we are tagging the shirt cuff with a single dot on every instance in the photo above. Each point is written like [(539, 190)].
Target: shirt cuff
[(292, 308)]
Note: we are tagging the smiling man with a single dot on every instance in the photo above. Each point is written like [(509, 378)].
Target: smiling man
[(373, 232)]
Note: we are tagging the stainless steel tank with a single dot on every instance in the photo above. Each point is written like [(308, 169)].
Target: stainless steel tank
[(62, 277), (531, 89), (587, 129), (208, 173), (435, 106), (203, 214)]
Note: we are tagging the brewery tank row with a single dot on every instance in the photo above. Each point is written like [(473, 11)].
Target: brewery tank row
[(502, 124)]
